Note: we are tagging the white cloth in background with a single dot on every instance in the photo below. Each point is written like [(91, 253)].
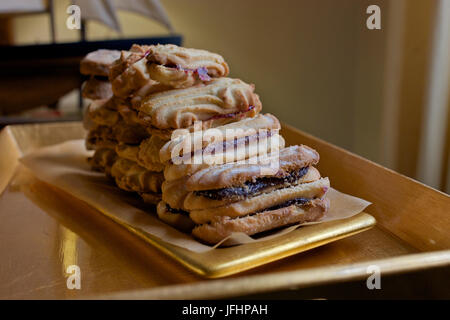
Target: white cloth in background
[(21, 6), (100, 10), (105, 11), (149, 8)]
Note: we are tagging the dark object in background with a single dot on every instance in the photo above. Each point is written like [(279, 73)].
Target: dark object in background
[(36, 75)]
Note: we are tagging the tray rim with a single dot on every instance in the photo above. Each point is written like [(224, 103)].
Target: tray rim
[(273, 281)]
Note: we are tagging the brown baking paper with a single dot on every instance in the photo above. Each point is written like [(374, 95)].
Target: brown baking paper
[(65, 166)]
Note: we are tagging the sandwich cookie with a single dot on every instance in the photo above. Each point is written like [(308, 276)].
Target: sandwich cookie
[(176, 218), (180, 67), (245, 197), (218, 102)]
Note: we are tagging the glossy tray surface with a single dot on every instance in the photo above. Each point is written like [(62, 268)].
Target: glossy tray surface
[(44, 230)]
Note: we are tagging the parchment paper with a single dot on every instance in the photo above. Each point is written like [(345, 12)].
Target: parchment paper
[(65, 166)]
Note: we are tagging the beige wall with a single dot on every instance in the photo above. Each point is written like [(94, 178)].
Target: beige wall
[(314, 63)]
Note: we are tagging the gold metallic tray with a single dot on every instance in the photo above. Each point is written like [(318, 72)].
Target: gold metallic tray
[(226, 261), (56, 230)]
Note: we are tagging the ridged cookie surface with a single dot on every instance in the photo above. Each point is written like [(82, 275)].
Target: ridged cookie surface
[(247, 127), (96, 89), (188, 59), (132, 177), (174, 193), (101, 137), (222, 98), (316, 189), (235, 174), (102, 160), (127, 151), (148, 155), (221, 228), (194, 201), (178, 220), (103, 112)]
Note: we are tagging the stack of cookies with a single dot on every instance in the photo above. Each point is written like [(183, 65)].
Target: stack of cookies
[(114, 131), (186, 137)]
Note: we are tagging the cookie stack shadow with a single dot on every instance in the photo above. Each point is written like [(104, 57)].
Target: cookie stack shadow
[(167, 123)]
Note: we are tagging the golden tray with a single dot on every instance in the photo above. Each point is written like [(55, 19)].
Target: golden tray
[(57, 230)]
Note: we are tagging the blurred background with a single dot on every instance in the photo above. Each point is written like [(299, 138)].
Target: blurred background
[(380, 93)]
